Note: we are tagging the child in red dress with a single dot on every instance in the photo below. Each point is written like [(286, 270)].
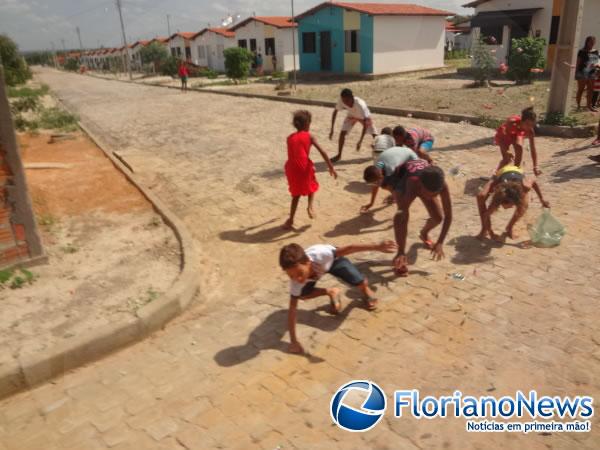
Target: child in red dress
[(299, 169), (513, 132)]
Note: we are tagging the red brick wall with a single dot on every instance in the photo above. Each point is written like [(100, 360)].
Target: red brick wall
[(13, 247)]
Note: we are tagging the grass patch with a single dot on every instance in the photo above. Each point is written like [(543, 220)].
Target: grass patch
[(70, 249), (16, 279), (57, 119), (23, 104), (25, 91), (490, 122), (561, 120)]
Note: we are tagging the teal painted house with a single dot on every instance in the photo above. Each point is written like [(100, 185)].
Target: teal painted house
[(370, 38)]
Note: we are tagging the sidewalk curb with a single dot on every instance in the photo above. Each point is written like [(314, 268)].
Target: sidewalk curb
[(542, 130), (28, 370)]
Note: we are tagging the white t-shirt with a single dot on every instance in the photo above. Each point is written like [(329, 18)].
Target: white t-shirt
[(322, 257), (382, 142), (359, 110)]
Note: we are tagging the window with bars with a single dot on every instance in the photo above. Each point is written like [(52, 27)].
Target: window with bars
[(351, 41)]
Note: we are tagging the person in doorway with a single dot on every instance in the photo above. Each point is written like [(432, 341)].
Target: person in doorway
[(259, 65)]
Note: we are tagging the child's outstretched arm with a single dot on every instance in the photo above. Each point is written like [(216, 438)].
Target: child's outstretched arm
[(295, 346), (538, 191), (534, 157), (332, 171), (374, 192), (383, 247), (423, 154), (333, 117)]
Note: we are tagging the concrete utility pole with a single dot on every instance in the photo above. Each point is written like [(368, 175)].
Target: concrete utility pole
[(54, 55), (169, 25), (63, 44), (127, 60), (294, 44), (569, 36), (79, 37)]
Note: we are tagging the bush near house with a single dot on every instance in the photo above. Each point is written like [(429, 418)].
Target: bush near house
[(484, 63), (72, 65), (154, 53), (170, 66), (16, 70), (238, 62), (526, 54)]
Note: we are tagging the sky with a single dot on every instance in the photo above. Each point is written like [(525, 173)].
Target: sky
[(37, 24)]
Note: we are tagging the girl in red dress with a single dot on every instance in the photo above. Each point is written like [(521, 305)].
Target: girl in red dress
[(513, 132), (299, 169)]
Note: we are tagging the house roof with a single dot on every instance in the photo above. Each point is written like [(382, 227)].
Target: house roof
[(275, 21), (382, 9), (143, 43), (453, 28), (225, 32), (187, 35), (475, 3)]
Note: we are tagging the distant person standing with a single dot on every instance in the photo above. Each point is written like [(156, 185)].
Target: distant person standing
[(259, 64), (183, 75), (587, 60), (274, 61)]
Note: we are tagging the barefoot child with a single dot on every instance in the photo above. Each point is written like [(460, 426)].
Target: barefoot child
[(509, 188), (419, 140), (382, 174), (299, 169), (382, 142), (513, 132), (183, 75), (358, 112), (419, 179), (306, 267)]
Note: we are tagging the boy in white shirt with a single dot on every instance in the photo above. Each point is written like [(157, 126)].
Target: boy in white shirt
[(382, 142), (306, 267), (358, 112)]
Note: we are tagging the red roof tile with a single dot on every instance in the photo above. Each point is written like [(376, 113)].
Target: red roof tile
[(225, 32), (184, 34), (275, 21), (382, 9)]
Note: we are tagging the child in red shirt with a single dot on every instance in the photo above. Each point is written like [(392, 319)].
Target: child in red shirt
[(513, 132), (183, 74), (299, 169)]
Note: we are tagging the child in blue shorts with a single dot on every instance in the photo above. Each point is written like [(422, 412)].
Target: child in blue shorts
[(306, 267), (417, 139)]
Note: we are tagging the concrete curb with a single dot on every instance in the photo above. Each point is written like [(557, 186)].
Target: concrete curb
[(542, 130), (30, 370)]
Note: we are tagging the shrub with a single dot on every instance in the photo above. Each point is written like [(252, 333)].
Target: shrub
[(526, 54), (28, 91), (238, 62), (457, 54), (72, 65), (16, 70), (57, 119), (169, 66), (24, 104), (154, 53), (489, 122), (484, 63), (557, 118)]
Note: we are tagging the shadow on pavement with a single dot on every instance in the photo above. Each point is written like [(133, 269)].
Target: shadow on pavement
[(273, 234), (580, 172), (572, 150), (473, 186), (470, 250), (360, 224), (358, 187), (269, 334), (477, 143)]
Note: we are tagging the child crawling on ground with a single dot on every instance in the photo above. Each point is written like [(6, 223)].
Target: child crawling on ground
[(306, 267), (508, 188)]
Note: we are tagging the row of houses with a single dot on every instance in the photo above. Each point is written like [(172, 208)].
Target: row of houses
[(367, 38), (338, 37)]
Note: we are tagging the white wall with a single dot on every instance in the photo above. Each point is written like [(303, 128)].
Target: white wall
[(213, 44), (283, 44), (402, 43), (591, 21), (176, 42)]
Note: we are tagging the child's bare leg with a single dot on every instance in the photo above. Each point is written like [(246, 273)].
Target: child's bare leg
[(369, 296), (289, 224), (341, 142), (332, 293), (482, 197), (311, 211), (506, 156), (518, 155), (435, 218)]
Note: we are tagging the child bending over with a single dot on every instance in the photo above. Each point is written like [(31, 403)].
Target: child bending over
[(508, 188), (382, 142), (513, 132), (306, 267), (417, 139)]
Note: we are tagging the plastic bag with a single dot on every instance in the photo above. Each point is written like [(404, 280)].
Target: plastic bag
[(547, 231)]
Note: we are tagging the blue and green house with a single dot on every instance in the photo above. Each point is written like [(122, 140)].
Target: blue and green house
[(342, 37)]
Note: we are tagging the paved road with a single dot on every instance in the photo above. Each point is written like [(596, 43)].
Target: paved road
[(217, 377)]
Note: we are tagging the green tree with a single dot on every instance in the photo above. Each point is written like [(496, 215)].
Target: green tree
[(237, 63), (484, 63), (526, 57), (170, 66), (72, 65), (38, 58), (16, 70), (154, 53)]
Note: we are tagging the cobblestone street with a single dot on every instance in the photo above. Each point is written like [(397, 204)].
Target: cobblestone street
[(219, 375)]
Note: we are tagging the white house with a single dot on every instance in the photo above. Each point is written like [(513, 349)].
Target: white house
[(269, 36), (500, 21), (180, 46), (458, 36), (134, 53), (208, 45), (371, 38)]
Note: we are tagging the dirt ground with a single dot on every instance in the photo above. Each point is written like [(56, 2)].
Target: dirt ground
[(444, 92), (110, 253)]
